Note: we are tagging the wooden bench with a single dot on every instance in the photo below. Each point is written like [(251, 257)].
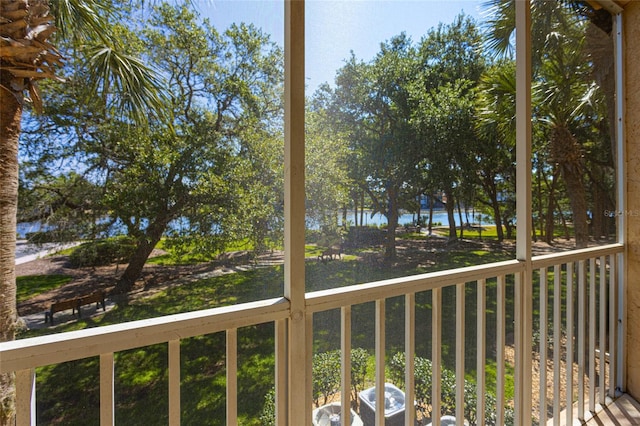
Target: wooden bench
[(330, 254), (75, 305), (98, 298)]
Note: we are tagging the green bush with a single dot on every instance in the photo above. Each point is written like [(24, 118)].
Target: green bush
[(102, 252), (268, 414), (423, 377), (359, 358), (326, 376), (326, 380)]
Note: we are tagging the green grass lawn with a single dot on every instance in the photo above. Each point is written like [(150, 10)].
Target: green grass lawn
[(68, 393), (32, 285)]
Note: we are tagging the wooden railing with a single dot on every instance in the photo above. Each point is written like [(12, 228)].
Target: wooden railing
[(568, 301)]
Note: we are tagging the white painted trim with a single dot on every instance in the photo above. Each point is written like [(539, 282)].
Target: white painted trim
[(501, 339), (592, 315), (436, 353), (380, 360), (557, 340), (621, 198), (602, 336), (582, 307), (345, 364), (542, 348), (570, 341), (56, 348), (523, 300), (460, 349), (481, 349), (409, 354)]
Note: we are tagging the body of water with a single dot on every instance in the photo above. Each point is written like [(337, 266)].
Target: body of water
[(439, 216)]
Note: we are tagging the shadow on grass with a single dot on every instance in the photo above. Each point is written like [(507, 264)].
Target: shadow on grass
[(69, 393)]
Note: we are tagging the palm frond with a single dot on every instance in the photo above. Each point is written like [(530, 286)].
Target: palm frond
[(81, 19), (137, 87), (499, 27)]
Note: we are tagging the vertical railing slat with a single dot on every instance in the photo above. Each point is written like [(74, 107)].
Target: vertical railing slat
[(501, 325), (281, 371), (26, 397), (460, 334), (569, 355), (409, 352), (481, 348), (308, 366), (345, 356), (436, 354), (613, 324), (232, 377), (107, 375), (602, 346), (592, 335), (557, 341), (543, 345), (174, 382), (380, 364), (580, 343)]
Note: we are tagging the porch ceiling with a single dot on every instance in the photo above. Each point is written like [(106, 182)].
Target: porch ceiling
[(613, 6)]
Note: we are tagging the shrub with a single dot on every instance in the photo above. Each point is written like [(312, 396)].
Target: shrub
[(326, 380), (102, 252), (268, 414), (326, 375), (423, 377), (359, 358)]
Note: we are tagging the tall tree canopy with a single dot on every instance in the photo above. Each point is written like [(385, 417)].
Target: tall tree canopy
[(206, 170)]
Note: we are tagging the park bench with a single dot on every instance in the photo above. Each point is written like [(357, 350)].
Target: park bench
[(75, 304), (330, 254)]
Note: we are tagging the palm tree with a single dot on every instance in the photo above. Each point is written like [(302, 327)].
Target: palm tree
[(562, 81), (27, 55)]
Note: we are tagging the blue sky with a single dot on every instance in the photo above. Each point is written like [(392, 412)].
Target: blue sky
[(335, 28)]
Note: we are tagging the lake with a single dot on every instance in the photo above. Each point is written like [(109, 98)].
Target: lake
[(409, 218)]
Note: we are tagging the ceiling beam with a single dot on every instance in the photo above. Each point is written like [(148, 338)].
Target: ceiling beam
[(612, 6)]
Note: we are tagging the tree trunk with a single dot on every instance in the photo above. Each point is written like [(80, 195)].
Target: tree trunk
[(10, 115), (145, 246), (566, 151), (497, 217), (492, 191), (392, 224), (361, 208), (355, 211), (540, 208), (450, 205), (461, 219), (550, 223), (431, 214), (549, 233)]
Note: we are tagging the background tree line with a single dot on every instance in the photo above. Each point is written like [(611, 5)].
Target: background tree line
[(433, 117)]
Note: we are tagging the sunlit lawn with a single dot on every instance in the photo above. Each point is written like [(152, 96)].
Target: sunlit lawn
[(32, 285), (69, 393)]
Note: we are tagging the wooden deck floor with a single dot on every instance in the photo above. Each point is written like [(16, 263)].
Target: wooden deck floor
[(623, 411)]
